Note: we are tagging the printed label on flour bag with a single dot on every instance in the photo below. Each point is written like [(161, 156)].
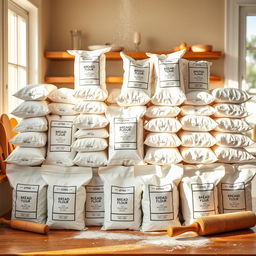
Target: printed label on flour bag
[(89, 71), (198, 76), (169, 74), (125, 133), (203, 199), (26, 201), (161, 202), (139, 76), (233, 196), (60, 136), (122, 203), (64, 203), (94, 202)]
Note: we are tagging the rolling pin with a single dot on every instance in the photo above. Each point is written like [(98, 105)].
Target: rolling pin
[(26, 226), (215, 224)]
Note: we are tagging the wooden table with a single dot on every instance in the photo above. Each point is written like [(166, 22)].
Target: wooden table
[(14, 242)]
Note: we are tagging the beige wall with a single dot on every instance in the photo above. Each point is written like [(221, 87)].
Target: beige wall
[(162, 23)]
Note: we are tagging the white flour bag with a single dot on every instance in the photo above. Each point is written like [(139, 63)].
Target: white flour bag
[(197, 123), (232, 125), (136, 88), (27, 156), (30, 139), (62, 109), (91, 159), (162, 111), (235, 188), (29, 196), (90, 74), (169, 79), (162, 140), (35, 91), (230, 110), (230, 95), (198, 191), (197, 110), (236, 140), (126, 135), (92, 133), (197, 82), (160, 199), (35, 124), (63, 95), (122, 197), (163, 124), (94, 206), (60, 138), (90, 121), (196, 139), (232, 155), (162, 156), (66, 195)]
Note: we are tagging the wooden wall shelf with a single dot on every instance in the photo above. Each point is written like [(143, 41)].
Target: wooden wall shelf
[(109, 79), (62, 55)]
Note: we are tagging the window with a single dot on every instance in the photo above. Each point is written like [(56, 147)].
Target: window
[(248, 49), (17, 52)]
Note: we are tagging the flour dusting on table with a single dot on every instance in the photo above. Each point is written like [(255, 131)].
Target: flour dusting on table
[(157, 240)]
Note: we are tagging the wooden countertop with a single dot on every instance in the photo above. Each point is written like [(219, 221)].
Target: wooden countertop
[(14, 242)]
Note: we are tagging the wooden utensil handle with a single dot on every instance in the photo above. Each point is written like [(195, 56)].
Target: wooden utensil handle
[(26, 226), (175, 231)]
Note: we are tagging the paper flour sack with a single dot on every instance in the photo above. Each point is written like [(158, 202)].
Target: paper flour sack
[(198, 191), (162, 111), (162, 140), (232, 155), (197, 82), (66, 195), (62, 109), (162, 156), (29, 193), (35, 124), (122, 197), (126, 135), (196, 139), (93, 133), (197, 123), (231, 125), (89, 144), (90, 121), (35, 91), (169, 82), (197, 155), (235, 188), (27, 156), (90, 107), (197, 110), (94, 206), (60, 138), (63, 95), (163, 124), (30, 139), (230, 110), (160, 198), (29, 109), (230, 95), (90, 74), (91, 159), (136, 87), (235, 140)]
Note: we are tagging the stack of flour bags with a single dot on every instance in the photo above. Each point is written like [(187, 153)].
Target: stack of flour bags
[(31, 140), (61, 130), (90, 91), (162, 125), (196, 139), (230, 112)]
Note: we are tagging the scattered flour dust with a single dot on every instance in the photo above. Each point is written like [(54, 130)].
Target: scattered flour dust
[(157, 240)]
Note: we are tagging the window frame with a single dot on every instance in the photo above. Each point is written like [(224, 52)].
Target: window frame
[(232, 66), (245, 11), (19, 11), (34, 66)]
